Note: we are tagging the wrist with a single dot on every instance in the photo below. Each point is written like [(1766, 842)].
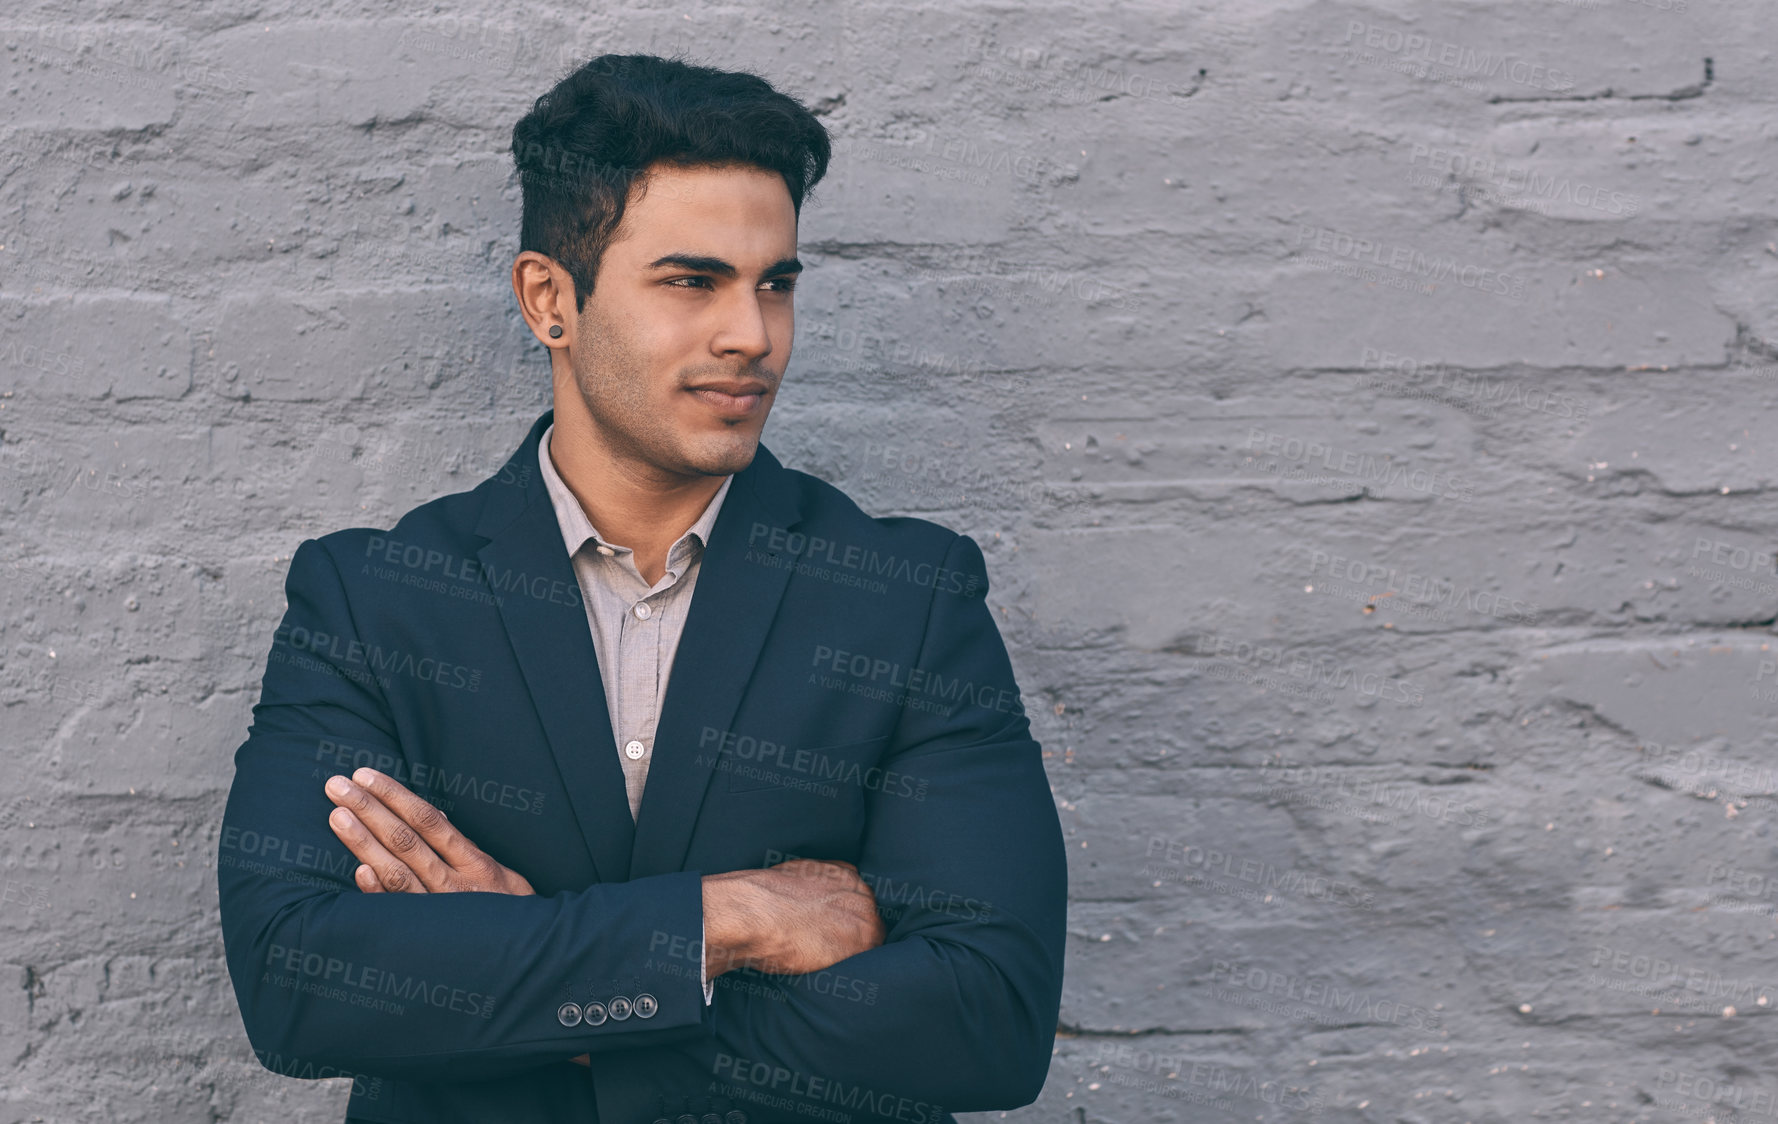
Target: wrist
[(730, 937)]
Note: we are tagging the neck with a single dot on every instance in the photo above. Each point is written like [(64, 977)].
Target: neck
[(631, 502)]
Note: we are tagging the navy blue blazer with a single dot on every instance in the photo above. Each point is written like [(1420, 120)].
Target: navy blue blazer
[(840, 691)]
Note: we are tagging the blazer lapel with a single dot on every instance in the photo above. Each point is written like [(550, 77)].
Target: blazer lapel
[(554, 645), (732, 609)]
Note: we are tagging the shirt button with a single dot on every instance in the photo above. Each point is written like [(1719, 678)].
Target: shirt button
[(634, 751), (605, 550), (642, 610)]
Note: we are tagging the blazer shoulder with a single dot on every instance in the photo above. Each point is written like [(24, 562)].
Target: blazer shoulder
[(838, 516), (443, 524)]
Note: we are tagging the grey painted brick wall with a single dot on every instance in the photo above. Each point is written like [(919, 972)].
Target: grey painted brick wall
[(1366, 410)]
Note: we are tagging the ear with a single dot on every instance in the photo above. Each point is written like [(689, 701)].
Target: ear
[(546, 298)]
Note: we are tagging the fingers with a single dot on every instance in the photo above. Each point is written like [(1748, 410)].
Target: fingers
[(392, 847), (385, 871), (439, 833), (832, 871), (825, 880), (843, 878)]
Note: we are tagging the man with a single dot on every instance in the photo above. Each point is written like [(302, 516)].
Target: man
[(650, 779)]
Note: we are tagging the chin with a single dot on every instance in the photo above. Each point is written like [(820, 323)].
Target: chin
[(725, 457)]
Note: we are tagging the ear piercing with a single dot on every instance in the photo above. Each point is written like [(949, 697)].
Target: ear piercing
[(555, 331)]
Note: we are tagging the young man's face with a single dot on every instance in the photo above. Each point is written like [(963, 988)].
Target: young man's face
[(687, 331)]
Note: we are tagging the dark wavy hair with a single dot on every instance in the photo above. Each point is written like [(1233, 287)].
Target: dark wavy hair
[(586, 141)]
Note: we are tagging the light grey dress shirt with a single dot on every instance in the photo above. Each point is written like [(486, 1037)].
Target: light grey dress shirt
[(635, 626)]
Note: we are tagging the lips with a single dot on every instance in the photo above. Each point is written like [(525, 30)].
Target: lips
[(738, 389), (732, 399)]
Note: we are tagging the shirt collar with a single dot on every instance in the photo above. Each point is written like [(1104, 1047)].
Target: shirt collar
[(577, 529)]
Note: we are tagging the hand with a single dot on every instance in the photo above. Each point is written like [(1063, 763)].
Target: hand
[(405, 838), (797, 917), (407, 845)]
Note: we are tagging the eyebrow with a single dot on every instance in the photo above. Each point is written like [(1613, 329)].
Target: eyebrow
[(700, 263)]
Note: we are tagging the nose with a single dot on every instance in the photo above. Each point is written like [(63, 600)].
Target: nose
[(743, 332)]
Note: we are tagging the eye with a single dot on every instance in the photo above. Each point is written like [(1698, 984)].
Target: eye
[(696, 282), (783, 284)]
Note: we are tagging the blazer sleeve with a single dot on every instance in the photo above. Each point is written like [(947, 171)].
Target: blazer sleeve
[(429, 987), (956, 1011)]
